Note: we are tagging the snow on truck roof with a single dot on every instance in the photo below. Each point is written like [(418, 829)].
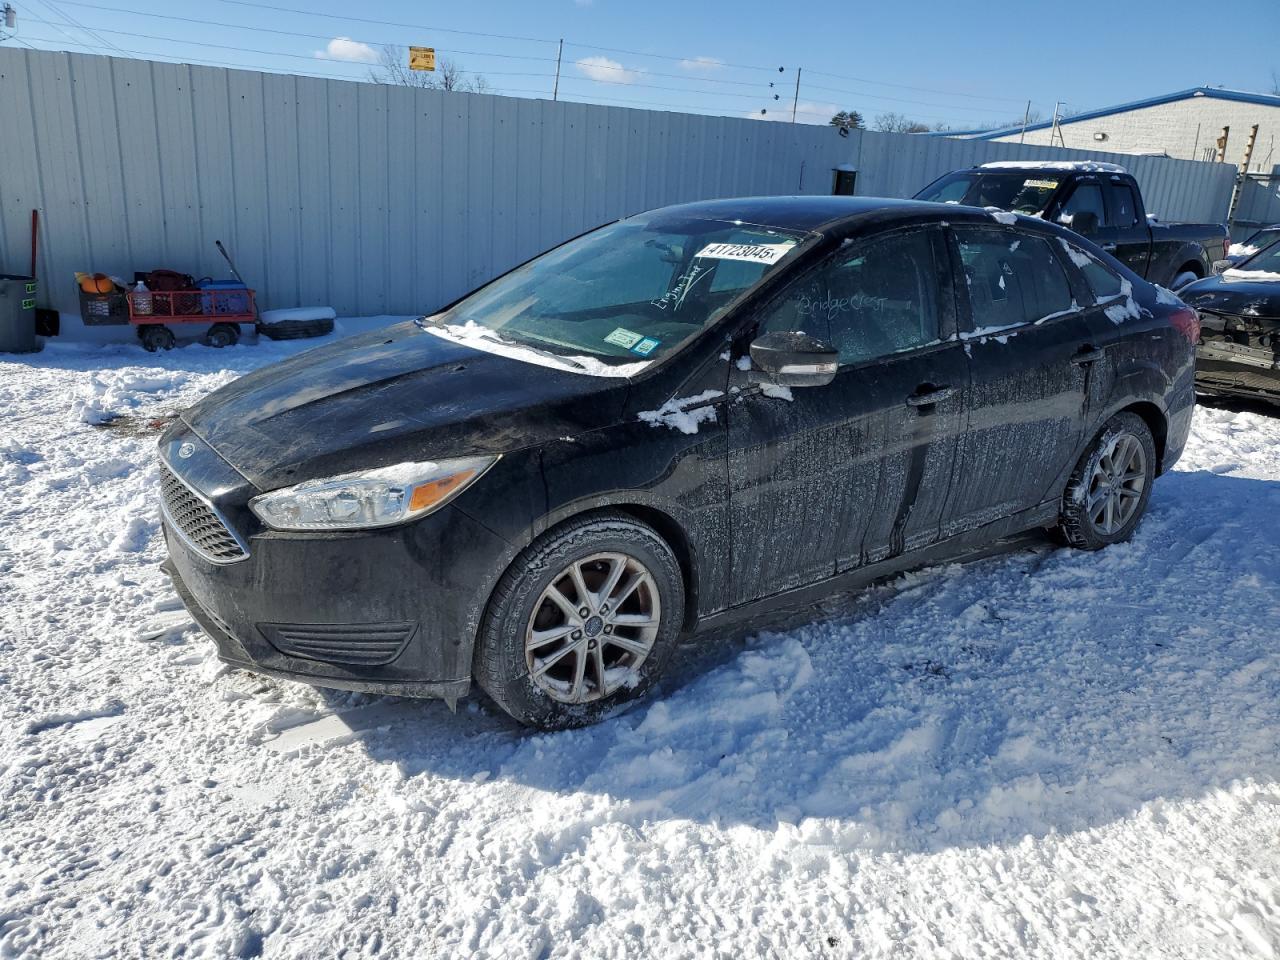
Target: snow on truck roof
[(1086, 166)]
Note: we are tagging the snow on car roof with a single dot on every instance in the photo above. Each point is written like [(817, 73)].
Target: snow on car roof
[(1088, 166)]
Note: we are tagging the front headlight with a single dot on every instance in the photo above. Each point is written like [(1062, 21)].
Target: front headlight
[(370, 498)]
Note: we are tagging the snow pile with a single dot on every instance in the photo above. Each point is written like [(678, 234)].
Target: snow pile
[(1047, 753), (298, 313), (1002, 216), (684, 413), (1242, 250)]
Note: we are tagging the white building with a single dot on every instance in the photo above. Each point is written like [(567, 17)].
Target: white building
[(1185, 125)]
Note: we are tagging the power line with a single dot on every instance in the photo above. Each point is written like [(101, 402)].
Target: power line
[(346, 17), (275, 53), (285, 33), (903, 86)]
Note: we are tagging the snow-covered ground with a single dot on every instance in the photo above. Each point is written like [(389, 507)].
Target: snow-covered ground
[(1042, 754)]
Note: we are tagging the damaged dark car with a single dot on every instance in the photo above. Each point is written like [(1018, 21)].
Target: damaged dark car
[(678, 420), (1239, 351)]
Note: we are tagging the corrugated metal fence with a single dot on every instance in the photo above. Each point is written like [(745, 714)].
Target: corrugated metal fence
[(1259, 203), (382, 199)]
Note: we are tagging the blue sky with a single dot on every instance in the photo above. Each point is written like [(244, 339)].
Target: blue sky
[(960, 64)]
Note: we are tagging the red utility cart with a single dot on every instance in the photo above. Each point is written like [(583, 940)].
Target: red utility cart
[(153, 311)]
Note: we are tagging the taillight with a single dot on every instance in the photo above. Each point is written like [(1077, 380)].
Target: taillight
[(1187, 322)]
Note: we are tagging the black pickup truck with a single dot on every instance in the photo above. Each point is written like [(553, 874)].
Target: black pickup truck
[(1098, 200)]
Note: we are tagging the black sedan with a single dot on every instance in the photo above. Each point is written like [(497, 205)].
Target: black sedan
[(1239, 352), (673, 421)]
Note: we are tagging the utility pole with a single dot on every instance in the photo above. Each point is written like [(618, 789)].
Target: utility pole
[(796, 101), (1026, 117), (555, 93)]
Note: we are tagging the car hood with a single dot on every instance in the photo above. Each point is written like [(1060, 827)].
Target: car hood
[(392, 395), (1238, 297)]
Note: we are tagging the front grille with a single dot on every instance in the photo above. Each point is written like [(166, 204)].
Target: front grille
[(362, 644), (197, 522)]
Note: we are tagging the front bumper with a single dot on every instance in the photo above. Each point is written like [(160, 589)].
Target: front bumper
[(392, 611), (1237, 373)]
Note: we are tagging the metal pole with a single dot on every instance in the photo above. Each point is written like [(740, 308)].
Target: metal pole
[(796, 102), (555, 93), (1026, 117)]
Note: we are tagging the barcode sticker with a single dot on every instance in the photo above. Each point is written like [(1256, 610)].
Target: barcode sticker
[(751, 252)]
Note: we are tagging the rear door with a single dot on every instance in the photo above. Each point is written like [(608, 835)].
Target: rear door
[(1124, 233), (1030, 344), (823, 479)]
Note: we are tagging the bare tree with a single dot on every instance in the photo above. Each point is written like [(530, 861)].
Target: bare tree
[(897, 123), (393, 68), (1275, 81)]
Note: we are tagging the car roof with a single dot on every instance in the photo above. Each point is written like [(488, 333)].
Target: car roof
[(809, 213)]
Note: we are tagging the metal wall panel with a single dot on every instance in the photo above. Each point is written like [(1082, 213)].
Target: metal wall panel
[(382, 199)]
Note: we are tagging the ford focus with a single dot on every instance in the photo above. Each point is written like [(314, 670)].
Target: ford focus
[(675, 421)]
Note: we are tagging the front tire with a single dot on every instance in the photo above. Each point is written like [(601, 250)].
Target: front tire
[(1182, 279), (584, 620), (1111, 485)]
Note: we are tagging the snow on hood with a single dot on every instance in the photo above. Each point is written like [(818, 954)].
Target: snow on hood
[(472, 334), (1236, 274), (1085, 166)]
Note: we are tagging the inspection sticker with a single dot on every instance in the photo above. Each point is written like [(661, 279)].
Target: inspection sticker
[(752, 252), (623, 337), (646, 346)]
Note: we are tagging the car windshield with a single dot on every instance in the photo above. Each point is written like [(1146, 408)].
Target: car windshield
[(1025, 192), (629, 292), (1266, 260)]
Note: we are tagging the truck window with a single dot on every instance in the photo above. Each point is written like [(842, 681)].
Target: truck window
[(1124, 206), (1087, 197)]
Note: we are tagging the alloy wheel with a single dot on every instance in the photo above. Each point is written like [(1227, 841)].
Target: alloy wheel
[(1116, 484), (592, 628)]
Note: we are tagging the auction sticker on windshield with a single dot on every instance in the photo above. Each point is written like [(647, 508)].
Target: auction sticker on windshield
[(752, 252), (623, 337), (646, 346), (1042, 184)]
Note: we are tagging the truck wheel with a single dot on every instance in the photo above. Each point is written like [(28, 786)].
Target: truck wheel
[(155, 336), (1183, 278), (1110, 486), (222, 335), (583, 620)]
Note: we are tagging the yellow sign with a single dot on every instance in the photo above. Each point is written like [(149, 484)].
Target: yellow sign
[(422, 58)]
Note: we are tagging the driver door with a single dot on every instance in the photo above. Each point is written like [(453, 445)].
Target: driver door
[(826, 478)]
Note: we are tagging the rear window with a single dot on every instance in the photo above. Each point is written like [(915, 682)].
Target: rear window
[(1104, 283), (1013, 278)]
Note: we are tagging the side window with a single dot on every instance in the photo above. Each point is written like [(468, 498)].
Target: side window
[(1013, 278), (1124, 209), (1102, 281), (1087, 198), (870, 300)]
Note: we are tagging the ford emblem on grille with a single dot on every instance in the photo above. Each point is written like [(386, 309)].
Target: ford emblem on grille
[(186, 450)]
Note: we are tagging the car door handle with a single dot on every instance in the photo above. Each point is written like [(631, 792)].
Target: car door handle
[(1088, 355), (927, 395), (1109, 247)]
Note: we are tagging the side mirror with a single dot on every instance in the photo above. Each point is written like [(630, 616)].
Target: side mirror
[(1220, 265), (1084, 222), (795, 359)]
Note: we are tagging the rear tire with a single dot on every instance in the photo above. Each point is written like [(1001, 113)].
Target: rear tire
[(1111, 485), (583, 621), (155, 336), (222, 335)]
